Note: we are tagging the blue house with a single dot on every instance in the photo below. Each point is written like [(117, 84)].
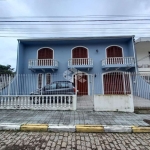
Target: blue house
[(99, 67), (90, 55)]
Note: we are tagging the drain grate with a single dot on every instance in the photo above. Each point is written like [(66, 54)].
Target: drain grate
[(147, 121)]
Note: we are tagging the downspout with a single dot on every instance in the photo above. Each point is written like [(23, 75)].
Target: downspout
[(136, 70)]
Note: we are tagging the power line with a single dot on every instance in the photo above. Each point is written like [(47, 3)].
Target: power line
[(102, 20), (83, 16)]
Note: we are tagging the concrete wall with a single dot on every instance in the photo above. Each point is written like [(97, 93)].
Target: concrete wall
[(113, 103)]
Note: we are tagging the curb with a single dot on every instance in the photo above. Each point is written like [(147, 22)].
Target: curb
[(89, 128), (34, 127), (74, 128)]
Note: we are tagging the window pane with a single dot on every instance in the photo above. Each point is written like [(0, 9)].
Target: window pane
[(39, 81), (48, 78)]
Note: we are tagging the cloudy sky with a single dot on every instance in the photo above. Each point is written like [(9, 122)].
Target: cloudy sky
[(69, 18)]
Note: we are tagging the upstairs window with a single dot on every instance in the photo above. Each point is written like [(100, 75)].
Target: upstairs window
[(114, 51), (79, 52), (45, 56)]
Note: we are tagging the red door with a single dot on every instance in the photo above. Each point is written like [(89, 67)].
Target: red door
[(114, 51), (82, 84), (44, 55), (79, 52)]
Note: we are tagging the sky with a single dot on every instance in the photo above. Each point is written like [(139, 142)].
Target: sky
[(85, 18)]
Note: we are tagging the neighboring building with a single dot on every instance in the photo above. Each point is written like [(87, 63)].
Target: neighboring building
[(142, 46)]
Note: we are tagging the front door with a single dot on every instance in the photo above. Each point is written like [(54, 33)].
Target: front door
[(82, 83)]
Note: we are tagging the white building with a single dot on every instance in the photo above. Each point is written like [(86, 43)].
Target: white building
[(142, 46)]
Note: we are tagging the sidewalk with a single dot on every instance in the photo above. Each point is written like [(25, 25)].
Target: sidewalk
[(72, 117), (73, 121)]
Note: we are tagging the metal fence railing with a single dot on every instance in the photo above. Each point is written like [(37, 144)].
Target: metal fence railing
[(61, 91)]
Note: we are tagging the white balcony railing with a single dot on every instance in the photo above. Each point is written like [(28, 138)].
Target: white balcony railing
[(42, 62), (80, 61), (118, 60), (143, 64)]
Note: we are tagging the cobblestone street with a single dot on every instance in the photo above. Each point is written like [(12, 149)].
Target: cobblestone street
[(77, 141)]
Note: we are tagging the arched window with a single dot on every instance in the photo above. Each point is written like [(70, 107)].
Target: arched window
[(45, 56), (45, 53), (79, 55), (114, 51), (79, 52), (114, 54)]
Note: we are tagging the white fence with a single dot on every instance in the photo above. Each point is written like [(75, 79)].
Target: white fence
[(80, 61), (42, 62), (52, 102), (118, 60)]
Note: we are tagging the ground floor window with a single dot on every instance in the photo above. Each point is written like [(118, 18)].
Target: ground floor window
[(48, 78), (43, 79), (40, 80)]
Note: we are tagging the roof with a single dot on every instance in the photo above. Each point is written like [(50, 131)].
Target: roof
[(143, 39), (75, 38)]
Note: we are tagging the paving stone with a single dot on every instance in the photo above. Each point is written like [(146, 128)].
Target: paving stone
[(64, 144), (99, 141)]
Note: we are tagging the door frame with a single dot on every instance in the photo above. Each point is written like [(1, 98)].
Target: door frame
[(87, 78)]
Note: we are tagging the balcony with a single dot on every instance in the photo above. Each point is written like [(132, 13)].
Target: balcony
[(42, 64), (144, 66), (118, 62), (80, 63)]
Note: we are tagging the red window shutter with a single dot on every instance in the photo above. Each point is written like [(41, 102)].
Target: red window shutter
[(114, 51), (79, 52)]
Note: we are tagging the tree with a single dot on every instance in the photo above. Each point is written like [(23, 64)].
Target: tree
[(6, 69)]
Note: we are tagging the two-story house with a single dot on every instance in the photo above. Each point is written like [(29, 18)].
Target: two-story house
[(100, 63)]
